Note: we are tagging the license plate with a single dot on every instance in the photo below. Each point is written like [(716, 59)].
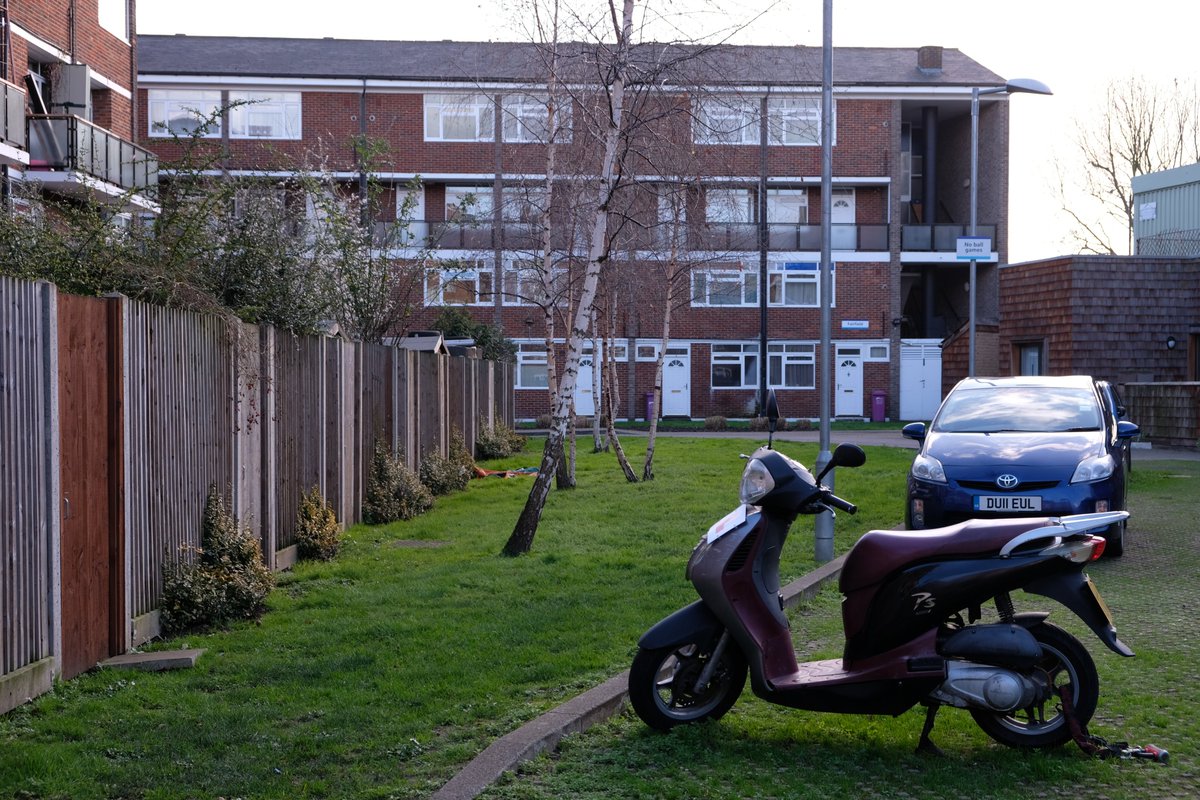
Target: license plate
[(726, 523), (1008, 503)]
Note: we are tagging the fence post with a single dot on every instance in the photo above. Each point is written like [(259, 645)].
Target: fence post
[(269, 433)]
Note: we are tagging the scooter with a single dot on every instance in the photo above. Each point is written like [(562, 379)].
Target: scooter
[(1027, 682)]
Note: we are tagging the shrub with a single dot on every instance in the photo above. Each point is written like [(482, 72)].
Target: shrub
[(442, 474), (715, 423), (225, 580), (393, 491), (498, 441), (545, 421), (318, 535)]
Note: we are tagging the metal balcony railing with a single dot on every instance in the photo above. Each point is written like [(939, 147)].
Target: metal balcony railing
[(67, 143), (12, 115), (940, 238), (787, 236)]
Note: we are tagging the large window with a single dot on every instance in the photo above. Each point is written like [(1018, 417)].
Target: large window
[(264, 115), (794, 285), (459, 118), (476, 203), (729, 206), (532, 370), (252, 114), (713, 287), (790, 365), (734, 120), (523, 285), (527, 119), (787, 206), (182, 112), (469, 285)]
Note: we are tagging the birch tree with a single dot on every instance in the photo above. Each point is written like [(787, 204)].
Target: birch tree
[(521, 539)]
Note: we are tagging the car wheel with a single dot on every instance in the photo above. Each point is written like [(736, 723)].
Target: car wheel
[(1116, 540)]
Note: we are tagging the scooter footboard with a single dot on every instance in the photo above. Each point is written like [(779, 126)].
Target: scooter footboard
[(695, 623)]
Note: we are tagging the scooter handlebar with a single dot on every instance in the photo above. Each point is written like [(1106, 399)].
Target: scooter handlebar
[(839, 503)]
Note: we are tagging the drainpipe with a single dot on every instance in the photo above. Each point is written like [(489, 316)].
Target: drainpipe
[(929, 194), (363, 210)]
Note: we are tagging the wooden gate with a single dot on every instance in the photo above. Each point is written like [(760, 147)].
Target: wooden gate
[(92, 547)]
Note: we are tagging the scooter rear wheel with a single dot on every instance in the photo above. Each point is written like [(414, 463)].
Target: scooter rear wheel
[(662, 685), (1065, 662)]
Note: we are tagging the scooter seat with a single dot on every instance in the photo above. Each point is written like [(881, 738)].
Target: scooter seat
[(878, 553)]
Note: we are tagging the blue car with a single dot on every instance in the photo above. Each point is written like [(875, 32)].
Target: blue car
[(1024, 446)]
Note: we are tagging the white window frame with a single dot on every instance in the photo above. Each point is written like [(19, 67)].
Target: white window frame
[(249, 109), (476, 109), (478, 273), (704, 296), (782, 355), (792, 121), (787, 206), (742, 354), (166, 105), (523, 281), (532, 356), (795, 121), (525, 119), (479, 211), (724, 206)]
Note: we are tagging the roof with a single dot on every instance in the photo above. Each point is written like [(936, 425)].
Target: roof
[(515, 62)]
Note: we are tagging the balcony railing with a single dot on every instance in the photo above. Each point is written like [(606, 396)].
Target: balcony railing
[(68, 143), (12, 115), (940, 238)]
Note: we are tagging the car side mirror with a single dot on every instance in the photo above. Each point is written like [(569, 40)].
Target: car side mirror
[(914, 430), (1127, 430)]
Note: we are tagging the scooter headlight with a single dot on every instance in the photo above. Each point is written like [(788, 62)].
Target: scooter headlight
[(1096, 468), (757, 482)]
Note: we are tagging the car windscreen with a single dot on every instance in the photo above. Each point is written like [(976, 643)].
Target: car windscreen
[(996, 409)]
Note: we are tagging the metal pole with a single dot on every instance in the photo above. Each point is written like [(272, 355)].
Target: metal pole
[(761, 401), (824, 521), (974, 222)]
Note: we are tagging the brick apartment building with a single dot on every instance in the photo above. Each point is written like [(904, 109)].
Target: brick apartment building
[(68, 78), (469, 119)]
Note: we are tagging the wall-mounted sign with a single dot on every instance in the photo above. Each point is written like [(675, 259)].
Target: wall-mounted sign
[(974, 248), (855, 325)]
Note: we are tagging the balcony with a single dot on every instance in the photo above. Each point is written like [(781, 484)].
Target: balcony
[(940, 238), (725, 237), (12, 126), (72, 156)]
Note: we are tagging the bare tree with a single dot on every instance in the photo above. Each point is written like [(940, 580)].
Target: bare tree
[(1141, 128), (523, 533)]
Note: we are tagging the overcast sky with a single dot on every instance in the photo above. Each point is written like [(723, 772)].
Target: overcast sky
[(1075, 46)]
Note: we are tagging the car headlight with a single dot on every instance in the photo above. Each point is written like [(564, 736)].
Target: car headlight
[(756, 482), (1096, 468), (928, 468)]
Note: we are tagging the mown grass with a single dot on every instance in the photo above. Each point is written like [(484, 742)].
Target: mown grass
[(759, 750), (380, 674)]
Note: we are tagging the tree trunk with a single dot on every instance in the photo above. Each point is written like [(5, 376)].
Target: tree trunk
[(521, 539), (611, 394)]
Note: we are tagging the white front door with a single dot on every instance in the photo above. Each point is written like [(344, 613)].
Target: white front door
[(677, 383), (843, 218), (849, 395), (920, 378), (585, 396)]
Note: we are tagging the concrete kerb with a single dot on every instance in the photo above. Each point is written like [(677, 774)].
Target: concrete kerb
[(580, 713)]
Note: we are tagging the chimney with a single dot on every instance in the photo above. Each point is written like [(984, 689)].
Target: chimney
[(929, 59)]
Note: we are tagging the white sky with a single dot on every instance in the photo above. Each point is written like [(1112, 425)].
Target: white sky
[(1075, 46)]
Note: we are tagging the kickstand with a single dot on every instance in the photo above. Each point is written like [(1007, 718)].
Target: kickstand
[(926, 745)]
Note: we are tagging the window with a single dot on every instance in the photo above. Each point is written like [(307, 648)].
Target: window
[(791, 365), (1029, 358), (728, 206), (264, 115), (471, 285), (182, 112), (795, 285), (734, 366), (523, 284), (532, 372), (469, 203), (459, 118), (527, 119), (787, 206), (724, 288), (791, 121)]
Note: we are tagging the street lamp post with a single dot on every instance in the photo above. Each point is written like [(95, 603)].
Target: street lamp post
[(1014, 86)]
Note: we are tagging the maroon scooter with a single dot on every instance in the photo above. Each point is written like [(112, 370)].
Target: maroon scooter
[(912, 616)]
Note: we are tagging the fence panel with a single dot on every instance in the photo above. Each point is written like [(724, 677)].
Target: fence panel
[(179, 438), (29, 487), (299, 390)]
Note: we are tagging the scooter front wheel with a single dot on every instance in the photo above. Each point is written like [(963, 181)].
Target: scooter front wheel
[(662, 685)]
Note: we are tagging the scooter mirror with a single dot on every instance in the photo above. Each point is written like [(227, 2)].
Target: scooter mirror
[(772, 411), (848, 455)]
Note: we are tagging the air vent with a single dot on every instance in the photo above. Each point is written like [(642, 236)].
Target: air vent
[(742, 553)]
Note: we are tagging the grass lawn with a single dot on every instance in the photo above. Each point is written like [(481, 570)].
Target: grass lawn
[(380, 674)]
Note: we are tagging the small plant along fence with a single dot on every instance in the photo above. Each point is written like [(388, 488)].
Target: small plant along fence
[(116, 417)]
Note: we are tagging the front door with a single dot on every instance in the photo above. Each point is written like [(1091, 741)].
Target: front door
[(920, 378), (585, 395), (849, 394), (842, 215), (677, 383)]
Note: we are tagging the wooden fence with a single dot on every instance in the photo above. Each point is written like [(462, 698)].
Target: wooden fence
[(116, 417), (1167, 413)]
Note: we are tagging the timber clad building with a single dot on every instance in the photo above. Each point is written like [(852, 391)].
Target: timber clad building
[(708, 195)]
